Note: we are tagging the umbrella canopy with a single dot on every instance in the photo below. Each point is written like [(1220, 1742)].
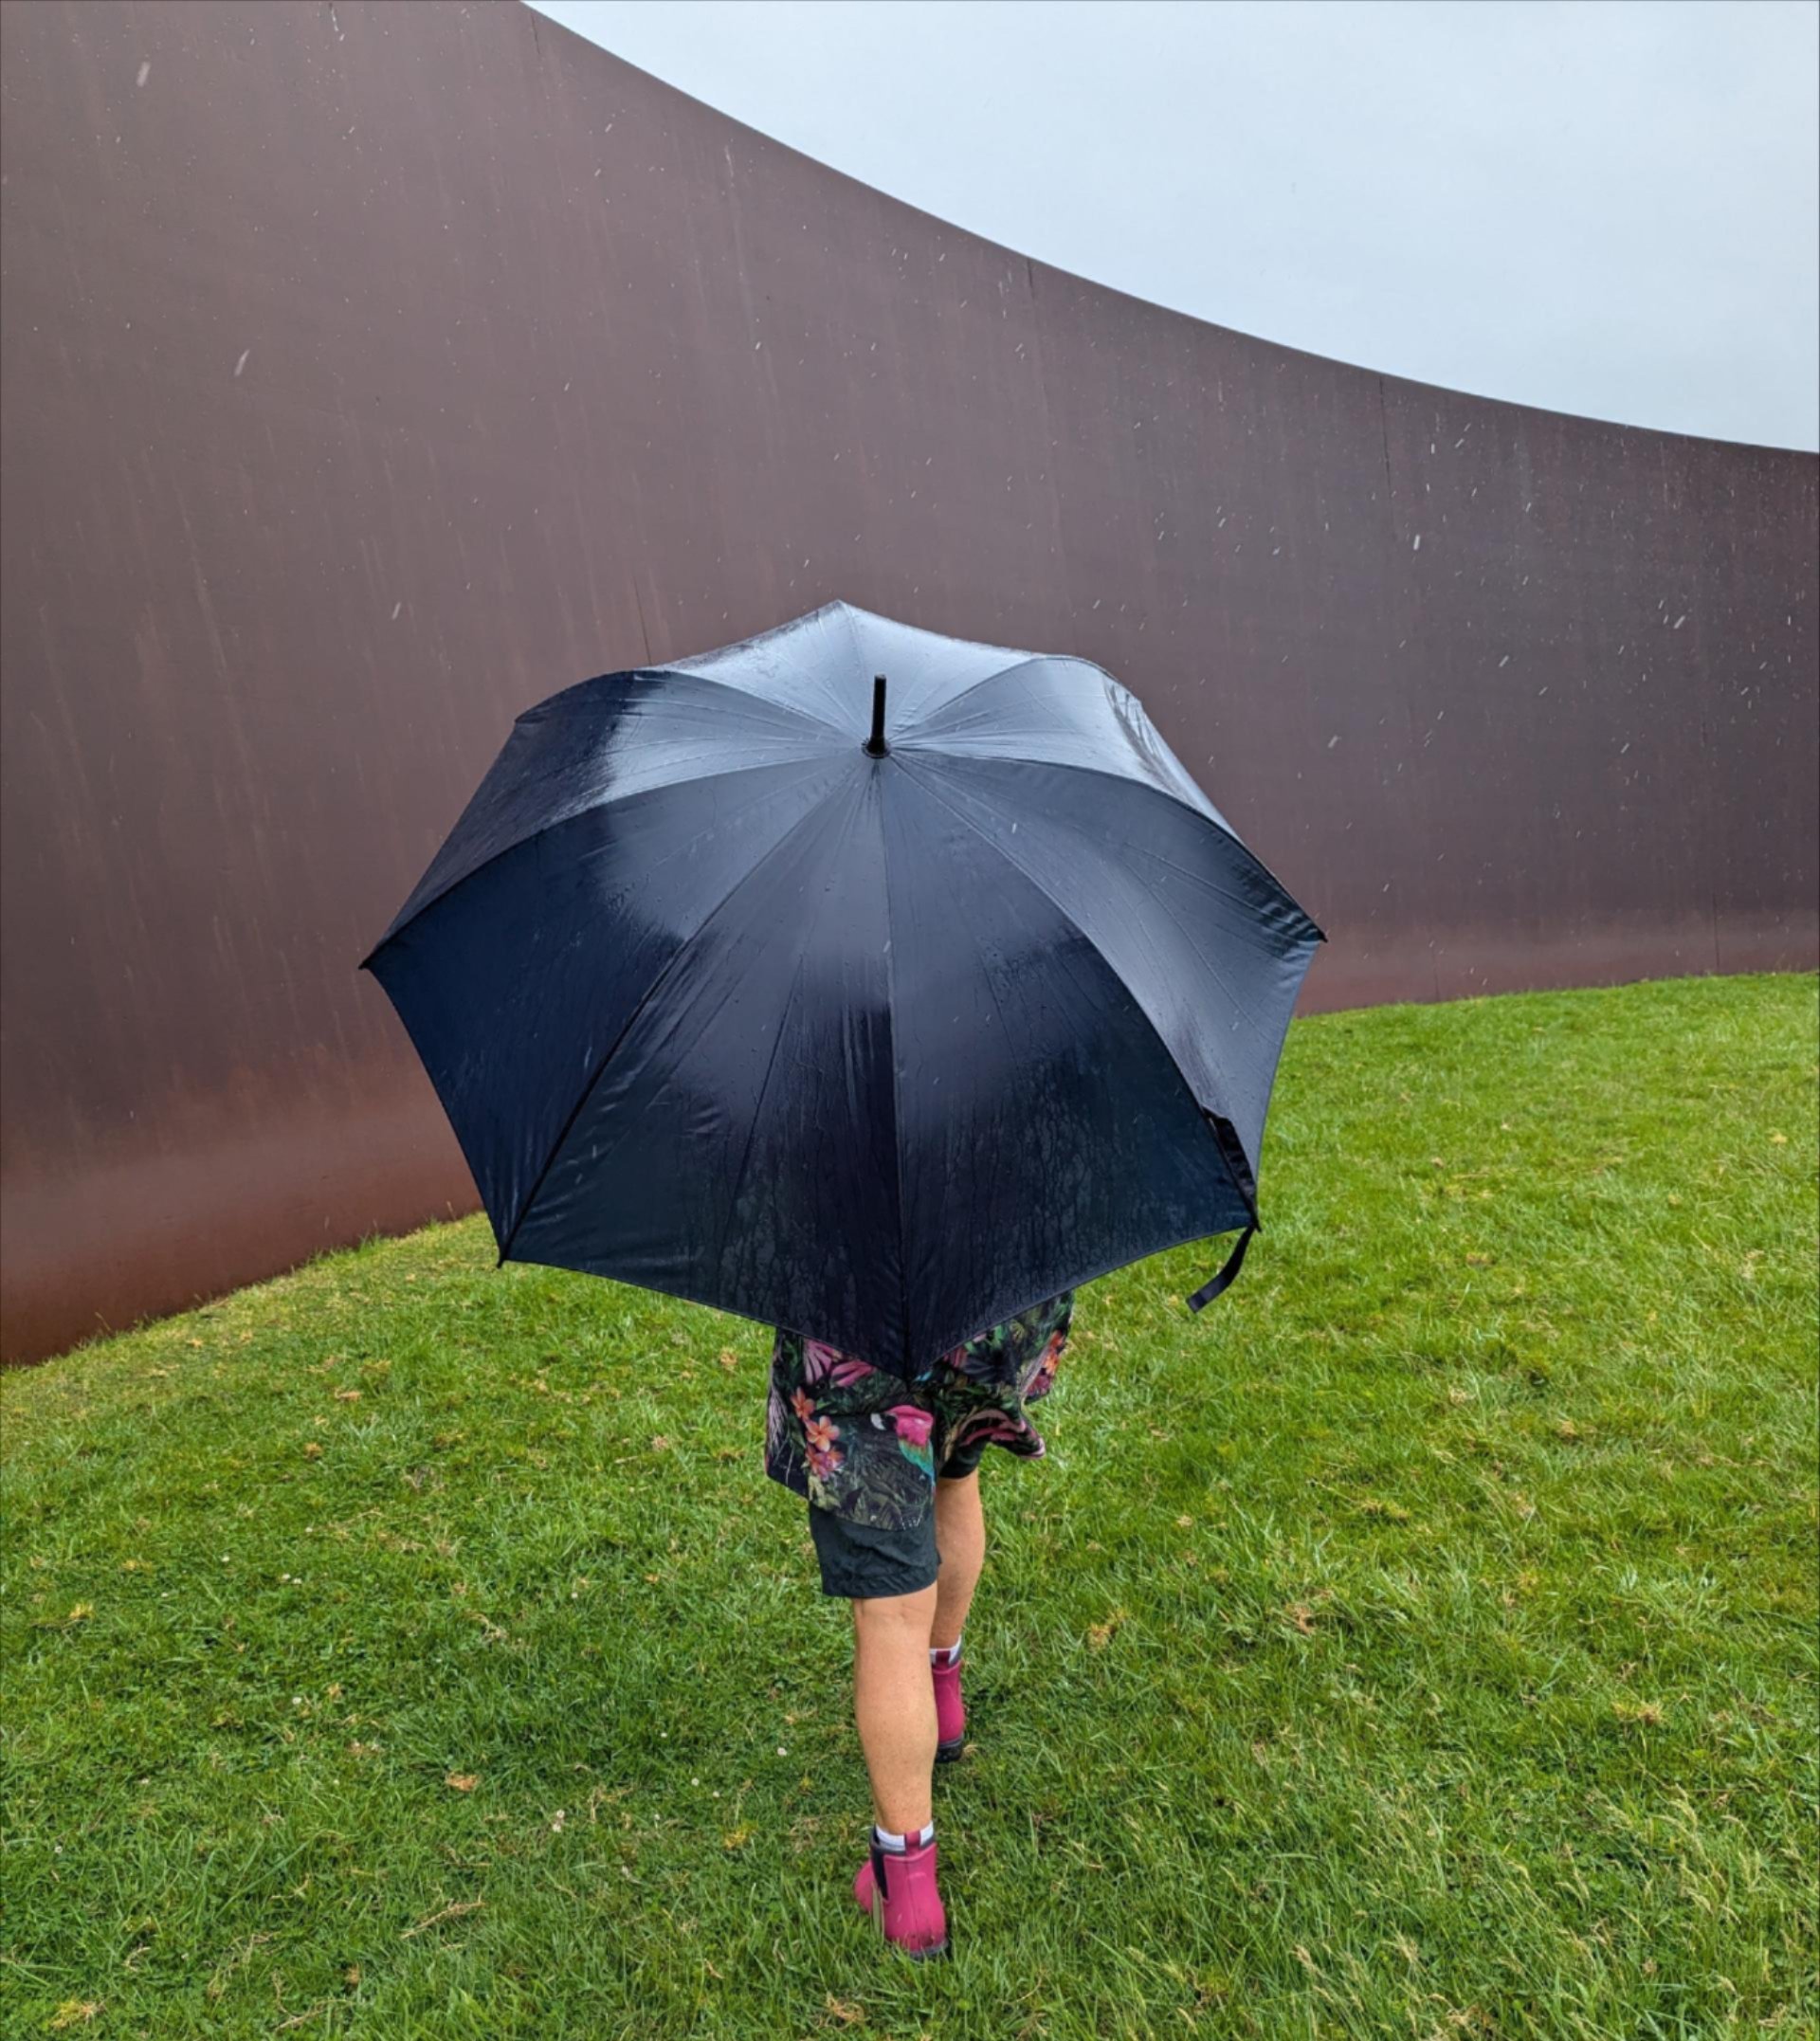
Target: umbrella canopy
[(880, 1029)]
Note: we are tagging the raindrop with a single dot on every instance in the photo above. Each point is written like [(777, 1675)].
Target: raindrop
[(242, 362), (1416, 547), (1331, 741), (145, 72)]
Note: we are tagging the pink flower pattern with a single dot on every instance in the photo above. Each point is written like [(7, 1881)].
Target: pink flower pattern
[(911, 1423), (895, 1436)]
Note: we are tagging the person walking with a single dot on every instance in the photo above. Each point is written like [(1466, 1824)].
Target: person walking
[(890, 1469), (736, 991)]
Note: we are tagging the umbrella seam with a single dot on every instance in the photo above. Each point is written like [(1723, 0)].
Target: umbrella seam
[(1146, 785), (545, 828), (1201, 1111), (672, 671), (651, 992), (746, 694), (1023, 659), (1142, 784), (1161, 901), (757, 1109), (1112, 681), (852, 610), (770, 1064), (850, 617), (1115, 687), (998, 673), (897, 1089), (1037, 659)]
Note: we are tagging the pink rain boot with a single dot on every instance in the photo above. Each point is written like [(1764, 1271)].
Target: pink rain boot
[(898, 1889), (951, 1711)]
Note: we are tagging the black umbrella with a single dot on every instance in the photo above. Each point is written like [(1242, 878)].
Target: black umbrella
[(881, 1038)]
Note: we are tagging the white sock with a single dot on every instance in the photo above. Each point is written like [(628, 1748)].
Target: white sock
[(945, 1654), (898, 1844)]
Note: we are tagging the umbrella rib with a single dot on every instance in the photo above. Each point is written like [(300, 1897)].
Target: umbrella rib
[(1041, 659), (1016, 657), (1143, 786), (1258, 1025), (564, 697), (896, 1088), (853, 635), (891, 1004), (757, 1111), (932, 742), (770, 1066), (745, 694), (649, 993), (1023, 658), (1145, 852), (1201, 1111), (587, 808), (1036, 659)]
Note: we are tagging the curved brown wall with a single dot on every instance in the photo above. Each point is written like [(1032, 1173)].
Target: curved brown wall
[(372, 372)]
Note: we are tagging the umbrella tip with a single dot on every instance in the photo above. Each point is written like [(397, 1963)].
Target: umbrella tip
[(875, 745)]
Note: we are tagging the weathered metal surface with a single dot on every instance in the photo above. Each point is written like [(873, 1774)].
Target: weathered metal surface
[(372, 372)]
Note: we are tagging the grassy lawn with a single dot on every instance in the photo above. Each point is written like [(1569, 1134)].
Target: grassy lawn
[(1419, 1644)]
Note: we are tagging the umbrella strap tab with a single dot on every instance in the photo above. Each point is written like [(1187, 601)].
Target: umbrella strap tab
[(1214, 1284)]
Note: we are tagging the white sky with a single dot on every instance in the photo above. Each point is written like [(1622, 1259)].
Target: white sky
[(1608, 207)]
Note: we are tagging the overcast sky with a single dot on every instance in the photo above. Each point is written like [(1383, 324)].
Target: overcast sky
[(1609, 207)]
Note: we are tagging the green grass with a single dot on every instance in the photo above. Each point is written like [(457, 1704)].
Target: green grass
[(1420, 1643)]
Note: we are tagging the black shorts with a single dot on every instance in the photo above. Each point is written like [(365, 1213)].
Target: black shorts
[(868, 1561)]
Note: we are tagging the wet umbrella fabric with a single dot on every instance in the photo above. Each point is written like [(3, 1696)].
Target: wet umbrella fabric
[(880, 1049)]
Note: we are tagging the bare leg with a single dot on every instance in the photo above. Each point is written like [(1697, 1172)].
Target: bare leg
[(895, 1706), (960, 1538)]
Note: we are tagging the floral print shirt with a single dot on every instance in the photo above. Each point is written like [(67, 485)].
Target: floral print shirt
[(868, 1445)]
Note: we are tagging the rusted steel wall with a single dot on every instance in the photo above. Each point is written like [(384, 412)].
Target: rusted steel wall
[(372, 372)]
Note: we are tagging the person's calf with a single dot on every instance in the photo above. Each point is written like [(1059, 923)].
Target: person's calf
[(894, 1706)]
